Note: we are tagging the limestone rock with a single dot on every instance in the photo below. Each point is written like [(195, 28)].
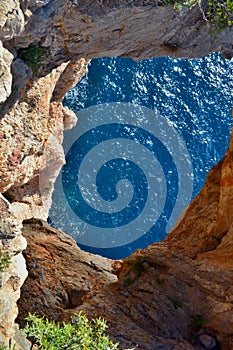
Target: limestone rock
[(74, 30), (11, 19), (226, 50), (12, 278), (21, 73), (35, 4), (5, 69), (51, 278), (69, 118), (31, 156), (207, 341), (71, 75)]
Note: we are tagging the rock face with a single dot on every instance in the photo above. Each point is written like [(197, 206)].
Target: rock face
[(72, 30), (165, 297), (31, 157), (59, 286), (5, 64)]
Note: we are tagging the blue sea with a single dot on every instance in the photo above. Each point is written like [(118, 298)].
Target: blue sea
[(148, 132)]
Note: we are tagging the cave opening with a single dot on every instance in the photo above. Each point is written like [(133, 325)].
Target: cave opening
[(148, 132)]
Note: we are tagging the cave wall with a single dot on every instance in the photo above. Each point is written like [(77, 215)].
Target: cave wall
[(68, 34)]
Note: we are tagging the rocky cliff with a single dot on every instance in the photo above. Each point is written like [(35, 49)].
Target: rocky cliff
[(173, 295)]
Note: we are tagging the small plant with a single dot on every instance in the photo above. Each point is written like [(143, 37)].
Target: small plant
[(176, 304), (127, 281), (220, 14), (159, 281), (4, 262), (80, 334), (49, 187), (3, 347), (34, 56), (197, 322), (135, 266)]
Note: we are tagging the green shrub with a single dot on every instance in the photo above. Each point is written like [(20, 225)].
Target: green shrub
[(220, 14), (127, 281), (80, 334), (34, 56), (176, 304), (159, 281), (136, 266), (197, 322), (4, 262)]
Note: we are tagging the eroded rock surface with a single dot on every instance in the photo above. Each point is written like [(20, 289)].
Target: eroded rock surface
[(31, 156)]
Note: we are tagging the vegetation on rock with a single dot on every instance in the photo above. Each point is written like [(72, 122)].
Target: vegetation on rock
[(79, 334), (218, 13), (4, 261), (34, 56), (198, 322)]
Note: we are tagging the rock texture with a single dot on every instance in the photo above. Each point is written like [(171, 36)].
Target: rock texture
[(59, 287), (12, 279), (72, 29), (6, 78), (31, 135), (163, 294)]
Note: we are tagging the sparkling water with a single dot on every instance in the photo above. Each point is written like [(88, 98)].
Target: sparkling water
[(148, 133)]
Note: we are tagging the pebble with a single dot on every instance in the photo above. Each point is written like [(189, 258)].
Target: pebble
[(207, 341)]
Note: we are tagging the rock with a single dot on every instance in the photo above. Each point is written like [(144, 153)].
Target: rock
[(13, 277), (31, 157), (74, 31), (5, 68), (21, 342), (58, 286), (35, 4), (207, 341), (71, 75), (21, 73), (11, 19), (226, 50), (70, 118)]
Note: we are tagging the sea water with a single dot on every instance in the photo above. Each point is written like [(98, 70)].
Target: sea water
[(148, 132)]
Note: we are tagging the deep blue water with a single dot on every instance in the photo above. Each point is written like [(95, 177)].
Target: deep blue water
[(147, 135)]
